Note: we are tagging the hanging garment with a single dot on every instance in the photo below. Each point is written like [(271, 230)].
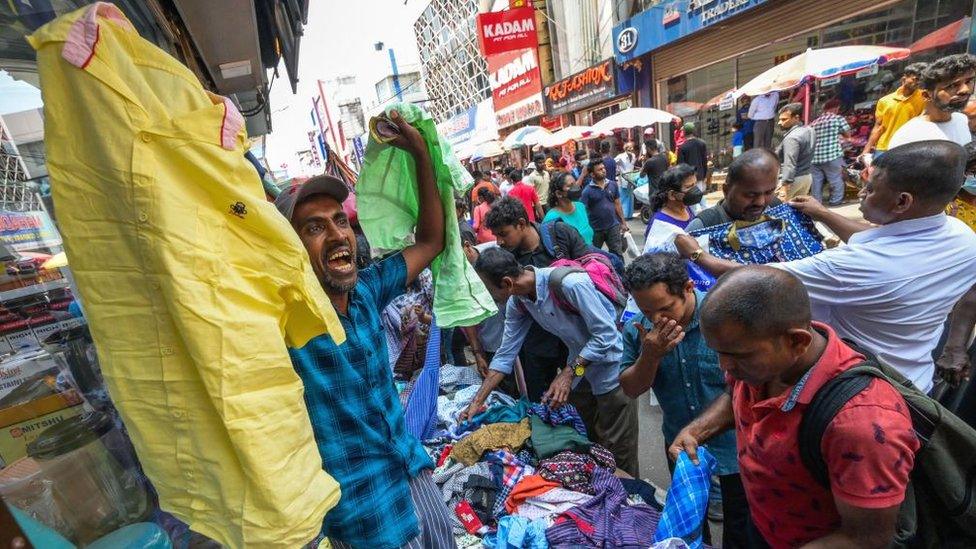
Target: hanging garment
[(782, 234), (605, 520), (388, 201), (687, 503), (192, 282), (420, 412)]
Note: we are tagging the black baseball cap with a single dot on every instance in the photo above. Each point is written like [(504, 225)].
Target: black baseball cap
[(320, 184)]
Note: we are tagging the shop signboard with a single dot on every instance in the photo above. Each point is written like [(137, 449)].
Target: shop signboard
[(669, 21), (587, 87), (865, 73), (553, 123), (501, 31), (459, 127), (525, 109), (516, 86), (31, 230)]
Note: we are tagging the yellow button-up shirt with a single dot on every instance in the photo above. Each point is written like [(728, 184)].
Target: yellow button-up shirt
[(893, 110), (192, 282)]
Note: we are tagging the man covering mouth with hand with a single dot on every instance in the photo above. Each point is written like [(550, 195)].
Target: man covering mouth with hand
[(388, 497)]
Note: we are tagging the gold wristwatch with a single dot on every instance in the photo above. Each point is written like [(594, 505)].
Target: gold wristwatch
[(696, 255), (579, 368)]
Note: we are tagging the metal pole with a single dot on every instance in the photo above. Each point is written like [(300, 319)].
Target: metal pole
[(396, 76), (328, 117)]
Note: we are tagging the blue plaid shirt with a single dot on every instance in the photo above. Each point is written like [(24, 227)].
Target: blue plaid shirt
[(358, 420), (688, 380)]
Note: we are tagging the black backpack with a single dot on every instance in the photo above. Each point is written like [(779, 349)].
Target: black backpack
[(939, 510)]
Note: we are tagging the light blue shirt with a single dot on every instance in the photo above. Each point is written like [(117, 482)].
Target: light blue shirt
[(591, 333)]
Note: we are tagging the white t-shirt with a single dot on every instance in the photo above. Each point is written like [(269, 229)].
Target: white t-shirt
[(625, 162), (919, 129)]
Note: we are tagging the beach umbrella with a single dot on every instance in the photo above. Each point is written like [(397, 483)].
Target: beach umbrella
[(565, 135), (632, 117), (487, 149), (819, 64), (527, 136)]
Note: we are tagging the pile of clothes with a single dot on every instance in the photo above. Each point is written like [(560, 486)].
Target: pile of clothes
[(524, 475)]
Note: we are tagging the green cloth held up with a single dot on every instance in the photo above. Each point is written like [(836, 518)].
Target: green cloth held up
[(549, 440), (388, 207)]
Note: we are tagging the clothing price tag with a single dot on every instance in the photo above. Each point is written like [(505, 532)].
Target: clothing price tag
[(470, 520)]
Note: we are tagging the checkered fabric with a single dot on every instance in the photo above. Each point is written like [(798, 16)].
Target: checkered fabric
[(358, 420), (828, 128), (507, 469), (687, 503)]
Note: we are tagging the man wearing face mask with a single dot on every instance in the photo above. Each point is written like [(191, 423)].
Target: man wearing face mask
[(750, 188), (947, 85), (892, 286), (664, 351)]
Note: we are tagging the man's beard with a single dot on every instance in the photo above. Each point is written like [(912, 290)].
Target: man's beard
[(332, 286), (951, 107)]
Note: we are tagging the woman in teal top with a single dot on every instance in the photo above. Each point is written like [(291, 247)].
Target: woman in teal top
[(564, 195)]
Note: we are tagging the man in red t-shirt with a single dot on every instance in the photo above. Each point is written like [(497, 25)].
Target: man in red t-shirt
[(527, 195), (758, 321)]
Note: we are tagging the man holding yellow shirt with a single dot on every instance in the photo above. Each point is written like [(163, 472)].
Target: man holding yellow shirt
[(896, 108)]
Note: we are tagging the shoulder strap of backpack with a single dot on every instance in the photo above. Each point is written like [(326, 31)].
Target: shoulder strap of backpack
[(820, 412), (556, 278), (547, 233)]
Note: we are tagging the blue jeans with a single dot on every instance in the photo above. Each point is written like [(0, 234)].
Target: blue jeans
[(832, 173), (627, 200)]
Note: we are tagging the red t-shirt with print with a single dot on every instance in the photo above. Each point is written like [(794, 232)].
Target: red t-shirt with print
[(869, 449)]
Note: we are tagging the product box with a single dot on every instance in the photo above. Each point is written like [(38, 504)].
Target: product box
[(21, 424)]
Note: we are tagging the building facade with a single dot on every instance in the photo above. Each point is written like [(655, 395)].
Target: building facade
[(454, 71), (698, 53)]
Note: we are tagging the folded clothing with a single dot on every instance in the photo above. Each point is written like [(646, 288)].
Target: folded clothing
[(502, 413), (549, 504), (564, 415), (491, 437), (575, 471), (549, 440), (529, 486), (517, 533), (604, 520)]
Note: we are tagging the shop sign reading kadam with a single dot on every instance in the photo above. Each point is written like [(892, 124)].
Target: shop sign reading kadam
[(508, 30)]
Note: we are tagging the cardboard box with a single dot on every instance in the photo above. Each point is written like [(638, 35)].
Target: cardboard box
[(21, 424)]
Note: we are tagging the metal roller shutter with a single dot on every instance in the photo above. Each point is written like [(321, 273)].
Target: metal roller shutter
[(762, 26)]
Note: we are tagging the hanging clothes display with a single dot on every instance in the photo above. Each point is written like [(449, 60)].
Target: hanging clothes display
[(782, 234), (192, 282), (388, 203)]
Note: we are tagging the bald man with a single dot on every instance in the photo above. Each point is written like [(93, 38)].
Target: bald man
[(892, 286), (749, 189), (757, 319)]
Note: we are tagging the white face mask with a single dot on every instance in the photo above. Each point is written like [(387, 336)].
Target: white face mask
[(970, 185)]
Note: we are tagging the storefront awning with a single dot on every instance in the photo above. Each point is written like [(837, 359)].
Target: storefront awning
[(957, 31)]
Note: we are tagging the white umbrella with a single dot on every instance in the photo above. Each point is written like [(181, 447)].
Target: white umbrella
[(819, 64), (529, 135), (634, 116), (487, 149), (567, 134)]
